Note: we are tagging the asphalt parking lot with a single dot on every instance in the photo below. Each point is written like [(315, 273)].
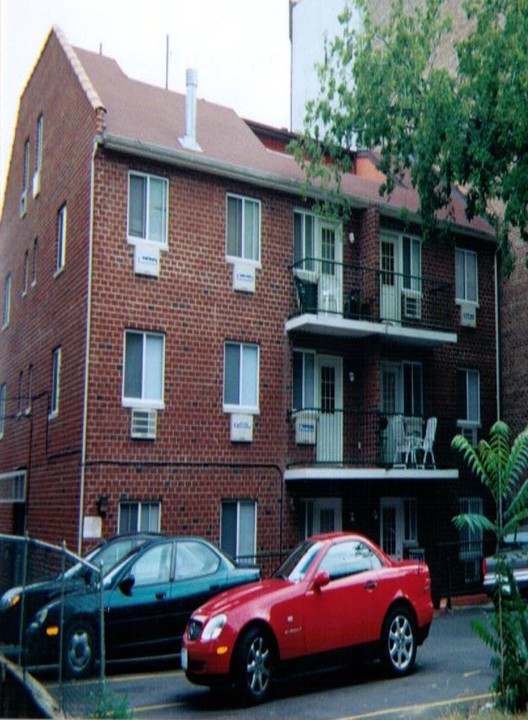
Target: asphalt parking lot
[(452, 672)]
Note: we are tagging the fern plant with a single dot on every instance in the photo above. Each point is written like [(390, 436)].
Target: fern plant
[(501, 468)]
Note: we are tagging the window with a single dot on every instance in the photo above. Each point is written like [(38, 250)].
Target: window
[(20, 401), (304, 240), (412, 389), (239, 529), (55, 382), (412, 263), (303, 380), (38, 155), (7, 301), (25, 279), (147, 208), (466, 275), (153, 566), (139, 516), (29, 390), (35, 259), (349, 558), (144, 369), (243, 228), (61, 239), (241, 377), (25, 176), (194, 559), (2, 409), (468, 403)]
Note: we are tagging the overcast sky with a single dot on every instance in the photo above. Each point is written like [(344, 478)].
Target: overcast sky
[(240, 48)]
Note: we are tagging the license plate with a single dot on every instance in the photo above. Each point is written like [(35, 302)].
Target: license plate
[(184, 659)]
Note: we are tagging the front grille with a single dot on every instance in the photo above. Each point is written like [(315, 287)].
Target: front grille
[(194, 628)]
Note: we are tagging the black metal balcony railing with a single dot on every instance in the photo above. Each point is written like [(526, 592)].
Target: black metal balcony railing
[(361, 293), (366, 439)]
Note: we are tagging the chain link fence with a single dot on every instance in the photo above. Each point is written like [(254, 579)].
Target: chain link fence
[(52, 621)]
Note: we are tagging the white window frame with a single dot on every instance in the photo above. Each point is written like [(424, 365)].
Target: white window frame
[(3, 393), (20, 400), (243, 380), (304, 243), (145, 237), (308, 379), (30, 389), (62, 220), (25, 279), (40, 138), (146, 369), (25, 170), (243, 201), (35, 260), (248, 554), (142, 506), (56, 361), (469, 426), (461, 256), (7, 301)]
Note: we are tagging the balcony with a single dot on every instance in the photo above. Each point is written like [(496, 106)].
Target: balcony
[(352, 444), (345, 300)]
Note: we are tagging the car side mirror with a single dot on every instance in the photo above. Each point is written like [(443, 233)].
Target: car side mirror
[(321, 579), (126, 585)]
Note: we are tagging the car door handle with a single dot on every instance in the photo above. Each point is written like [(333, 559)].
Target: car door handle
[(161, 596), (371, 585)]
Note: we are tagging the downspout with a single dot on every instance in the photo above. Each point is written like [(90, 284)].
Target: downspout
[(87, 351), (497, 335)]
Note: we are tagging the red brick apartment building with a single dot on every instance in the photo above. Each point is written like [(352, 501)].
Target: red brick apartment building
[(187, 347)]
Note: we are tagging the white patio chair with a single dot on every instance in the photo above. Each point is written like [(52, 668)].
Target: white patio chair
[(428, 441)]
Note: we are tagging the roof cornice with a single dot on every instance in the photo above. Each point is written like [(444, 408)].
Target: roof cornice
[(271, 181)]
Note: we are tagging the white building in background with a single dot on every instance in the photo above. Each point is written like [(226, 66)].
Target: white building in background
[(311, 22)]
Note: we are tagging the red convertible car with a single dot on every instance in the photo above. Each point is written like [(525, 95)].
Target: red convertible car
[(336, 594)]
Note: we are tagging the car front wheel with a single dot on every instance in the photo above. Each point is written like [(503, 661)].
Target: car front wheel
[(78, 649), (398, 641), (254, 665)]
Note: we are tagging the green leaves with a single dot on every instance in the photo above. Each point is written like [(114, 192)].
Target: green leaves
[(392, 87), (501, 467)]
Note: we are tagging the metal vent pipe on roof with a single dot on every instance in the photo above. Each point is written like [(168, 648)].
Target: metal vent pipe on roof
[(189, 140)]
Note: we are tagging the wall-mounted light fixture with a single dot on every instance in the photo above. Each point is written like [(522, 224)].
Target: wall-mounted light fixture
[(102, 505), (351, 376), (351, 238)]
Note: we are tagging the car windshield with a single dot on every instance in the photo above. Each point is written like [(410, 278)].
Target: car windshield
[(297, 564)]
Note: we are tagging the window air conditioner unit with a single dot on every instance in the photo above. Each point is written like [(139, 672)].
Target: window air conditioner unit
[(23, 204), (412, 304), (468, 315), (143, 424)]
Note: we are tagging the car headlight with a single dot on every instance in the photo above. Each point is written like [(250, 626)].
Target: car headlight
[(10, 599), (213, 628)]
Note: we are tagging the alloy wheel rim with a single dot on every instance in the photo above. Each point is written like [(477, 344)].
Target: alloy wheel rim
[(401, 642), (259, 665)]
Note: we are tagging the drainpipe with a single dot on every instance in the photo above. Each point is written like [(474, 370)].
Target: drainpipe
[(87, 351)]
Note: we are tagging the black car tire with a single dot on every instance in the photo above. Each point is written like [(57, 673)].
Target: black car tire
[(398, 641), (78, 649), (254, 665)]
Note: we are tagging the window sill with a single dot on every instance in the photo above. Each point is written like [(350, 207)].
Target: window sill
[(239, 410), (232, 260), (473, 303), (145, 241), (137, 403)]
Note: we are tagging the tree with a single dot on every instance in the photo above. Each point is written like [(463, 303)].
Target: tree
[(502, 468), (384, 88)]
